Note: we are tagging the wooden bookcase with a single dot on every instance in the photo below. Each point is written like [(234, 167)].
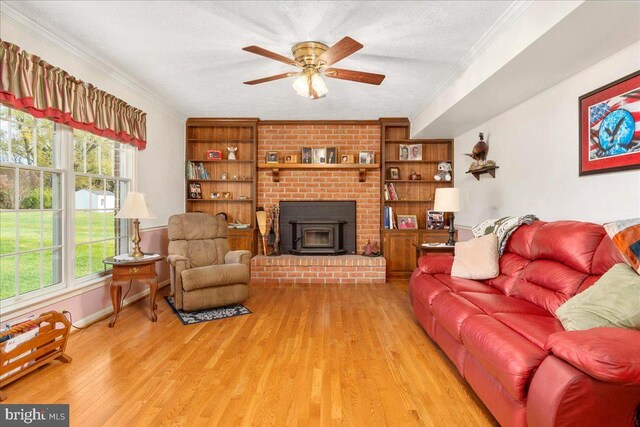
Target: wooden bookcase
[(415, 197), (203, 134)]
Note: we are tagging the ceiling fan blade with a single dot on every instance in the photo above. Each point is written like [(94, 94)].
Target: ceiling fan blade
[(270, 78), (339, 51), (356, 76), (271, 55)]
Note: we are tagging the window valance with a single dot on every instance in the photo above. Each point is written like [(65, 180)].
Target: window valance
[(32, 85)]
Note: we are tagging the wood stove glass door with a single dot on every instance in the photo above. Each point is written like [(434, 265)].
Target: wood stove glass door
[(317, 237)]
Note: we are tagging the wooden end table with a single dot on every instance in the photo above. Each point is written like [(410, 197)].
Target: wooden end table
[(432, 249), (126, 271)]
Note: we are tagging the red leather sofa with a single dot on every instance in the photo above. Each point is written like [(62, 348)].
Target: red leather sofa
[(503, 337)]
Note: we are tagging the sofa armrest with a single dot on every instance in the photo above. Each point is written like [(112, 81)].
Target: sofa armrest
[(238, 257), (608, 354), (178, 264), (435, 264)]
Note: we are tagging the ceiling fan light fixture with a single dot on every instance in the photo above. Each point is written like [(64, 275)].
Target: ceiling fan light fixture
[(310, 79), (301, 85), (318, 84)]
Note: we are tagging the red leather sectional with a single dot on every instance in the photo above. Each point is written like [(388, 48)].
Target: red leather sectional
[(504, 339)]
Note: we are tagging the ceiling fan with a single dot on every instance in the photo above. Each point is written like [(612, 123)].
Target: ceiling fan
[(315, 59)]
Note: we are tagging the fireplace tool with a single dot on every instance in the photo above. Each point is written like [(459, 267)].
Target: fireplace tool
[(261, 216)]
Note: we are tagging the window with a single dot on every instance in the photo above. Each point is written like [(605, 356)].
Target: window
[(101, 185), (43, 248)]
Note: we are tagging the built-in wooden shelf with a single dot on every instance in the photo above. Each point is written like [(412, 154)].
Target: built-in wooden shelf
[(221, 200), (417, 141), (417, 162), (248, 181), (276, 167), (409, 201), (219, 161), (418, 181), (227, 141)]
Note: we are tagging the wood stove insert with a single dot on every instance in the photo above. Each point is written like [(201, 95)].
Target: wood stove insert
[(317, 237)]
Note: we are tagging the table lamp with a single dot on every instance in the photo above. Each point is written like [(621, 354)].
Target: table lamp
[(448, 200), (135, 207)]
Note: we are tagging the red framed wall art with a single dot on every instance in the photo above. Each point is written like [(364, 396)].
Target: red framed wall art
[(610, 127)]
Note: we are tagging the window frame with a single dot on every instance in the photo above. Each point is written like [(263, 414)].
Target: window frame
[(69, 285)]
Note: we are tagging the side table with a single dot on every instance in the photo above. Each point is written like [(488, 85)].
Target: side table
[(426, 248), (126, 271)]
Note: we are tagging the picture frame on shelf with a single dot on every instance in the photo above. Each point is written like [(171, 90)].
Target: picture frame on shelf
[(435, 220), (411, 152), (195, 190), (291, 158), (366, 157), (214, 155), (393, 173), (320, 155), (407, 222), (272, 157), (332, 155), (346, 158), (215, 195), (608, 121), (307, 156)]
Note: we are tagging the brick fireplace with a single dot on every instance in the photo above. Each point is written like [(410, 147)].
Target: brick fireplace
[(350, 138)]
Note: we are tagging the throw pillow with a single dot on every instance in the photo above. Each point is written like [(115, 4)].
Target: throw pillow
[(502, 227), (613, 301), (477, 258), (625, 235)]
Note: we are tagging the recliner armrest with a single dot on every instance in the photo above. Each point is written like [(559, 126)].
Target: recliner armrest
[(435, 264), (238, 257), (608, 354), (174, 259)]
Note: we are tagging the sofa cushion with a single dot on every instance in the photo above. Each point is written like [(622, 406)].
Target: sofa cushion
[(498, 303), (614, 301), (625, 235), (534, 328), (425, 287), (571, 243), (609, 354), (451, 311), (508, 356), (214, 275), (458, 284), (607, 255), (521, 240), (476, 258), (435, 264)]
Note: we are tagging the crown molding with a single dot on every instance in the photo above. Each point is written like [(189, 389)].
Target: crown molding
[(40, 32), (488, 38)]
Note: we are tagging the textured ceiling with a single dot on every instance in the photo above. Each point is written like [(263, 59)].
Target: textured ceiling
[(189, 53)]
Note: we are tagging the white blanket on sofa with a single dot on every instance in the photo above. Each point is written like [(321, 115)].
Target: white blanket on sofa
[(502, 227)]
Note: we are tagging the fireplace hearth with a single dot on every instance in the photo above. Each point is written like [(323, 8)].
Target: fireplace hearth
[(318, 228)]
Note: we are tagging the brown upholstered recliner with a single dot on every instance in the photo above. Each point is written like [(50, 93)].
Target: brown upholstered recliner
[(204, 273)]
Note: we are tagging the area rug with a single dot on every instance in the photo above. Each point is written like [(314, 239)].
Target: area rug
[(209, 314)]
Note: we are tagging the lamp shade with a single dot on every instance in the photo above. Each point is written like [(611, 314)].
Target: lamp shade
[(447, 200), (135, 206)]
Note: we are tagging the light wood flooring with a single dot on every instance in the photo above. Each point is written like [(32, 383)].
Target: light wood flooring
[(326, 355)]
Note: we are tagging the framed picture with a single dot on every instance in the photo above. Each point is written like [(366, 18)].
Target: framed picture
[(609, 117), (394, 173), (410, 152), (332, 155), (272, 157), (346, 158), (407, 221), (291, 158), (214, 155), (366, 157), (195, 190), (435, 220), (306, 155), (319, 155), (215, 195)]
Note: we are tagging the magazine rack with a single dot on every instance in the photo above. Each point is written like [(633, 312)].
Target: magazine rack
[(49, 344)]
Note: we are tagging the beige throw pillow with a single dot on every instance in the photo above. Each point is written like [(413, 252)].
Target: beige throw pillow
[(613, 301), (477, 258)]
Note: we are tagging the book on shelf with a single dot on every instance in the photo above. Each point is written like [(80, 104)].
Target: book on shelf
[(196, 170), (389, 223), (391, 190)]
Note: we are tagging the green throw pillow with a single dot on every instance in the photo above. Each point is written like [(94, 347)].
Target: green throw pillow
[(613, 301)]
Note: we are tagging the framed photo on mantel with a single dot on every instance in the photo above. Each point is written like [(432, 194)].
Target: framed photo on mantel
[(610, 127)]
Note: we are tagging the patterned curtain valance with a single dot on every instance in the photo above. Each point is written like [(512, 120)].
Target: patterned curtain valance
[(30, 84)]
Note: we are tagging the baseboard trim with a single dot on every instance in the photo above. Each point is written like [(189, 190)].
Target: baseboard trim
[(108, 311)]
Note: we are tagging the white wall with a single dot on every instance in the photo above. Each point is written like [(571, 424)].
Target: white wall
[(159, 170), (535, 144)]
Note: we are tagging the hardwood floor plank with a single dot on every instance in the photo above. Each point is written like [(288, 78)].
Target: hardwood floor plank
[(311, 355)]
